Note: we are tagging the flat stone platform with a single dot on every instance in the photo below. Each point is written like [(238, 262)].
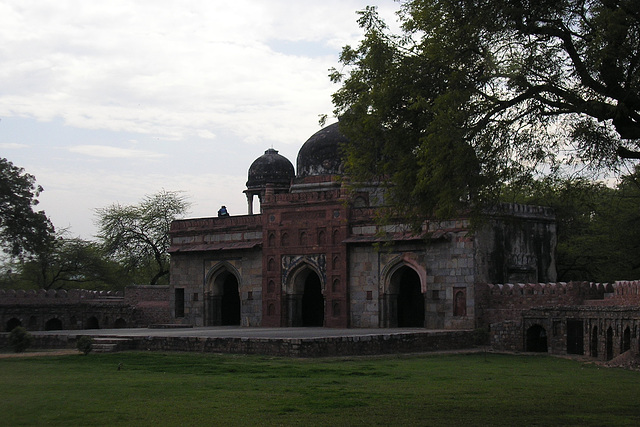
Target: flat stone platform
[(291, 342)]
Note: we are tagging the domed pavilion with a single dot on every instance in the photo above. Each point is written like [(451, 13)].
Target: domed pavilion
[(316, 255)]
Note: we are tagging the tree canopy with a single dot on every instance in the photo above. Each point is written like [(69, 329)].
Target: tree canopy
[(137, 236), (68, 263), (23, 230), (598, 236), (476, 93)]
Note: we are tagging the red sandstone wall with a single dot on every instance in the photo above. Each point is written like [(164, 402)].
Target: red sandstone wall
[(621, 293), (148, 304), (72, 296), (151, 304), (502, 302)]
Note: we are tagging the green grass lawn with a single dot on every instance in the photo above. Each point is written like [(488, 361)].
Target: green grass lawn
[(200, 389)]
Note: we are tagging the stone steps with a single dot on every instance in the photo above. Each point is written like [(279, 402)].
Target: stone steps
[(109, 345)]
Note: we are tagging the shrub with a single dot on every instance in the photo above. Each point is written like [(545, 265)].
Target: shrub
[(85, 344), (20, 339)]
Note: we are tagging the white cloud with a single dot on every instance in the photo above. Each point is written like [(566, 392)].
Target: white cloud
[(113, 152), (170, 68), (12, 146), (192, 86)]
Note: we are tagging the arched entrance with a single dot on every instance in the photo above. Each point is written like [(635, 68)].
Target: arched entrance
[(222, 301), (33, 323), (92, 323), (312, 301), (53, 324), (305, 300), (575, 336), (626, 340), (230, 302), (537, 339), (594, 342), (13, 323), (405, 285), (609, 343)]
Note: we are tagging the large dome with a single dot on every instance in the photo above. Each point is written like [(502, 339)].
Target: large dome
[(320, 155), (270, 168)]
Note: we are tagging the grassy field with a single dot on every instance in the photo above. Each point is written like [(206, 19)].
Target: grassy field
[(199, 389)]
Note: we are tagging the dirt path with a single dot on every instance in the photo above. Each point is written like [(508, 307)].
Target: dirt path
[(58, 352)]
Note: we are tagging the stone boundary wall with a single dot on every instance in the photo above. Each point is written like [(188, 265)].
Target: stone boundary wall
[(500, 302), (43, 342), (137, 306), (291, 347), (509, 309), (506, 336), (621, 293), (52, 296)]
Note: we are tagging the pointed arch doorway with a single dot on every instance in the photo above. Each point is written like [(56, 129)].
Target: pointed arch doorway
[(410, 298), (305, 299), (404, 303), (222, 300)]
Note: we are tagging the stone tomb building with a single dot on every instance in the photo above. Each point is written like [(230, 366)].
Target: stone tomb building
[(315, 255)]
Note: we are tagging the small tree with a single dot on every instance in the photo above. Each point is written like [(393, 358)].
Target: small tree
[(70, 263), (138, 236), (85, 344), (20, 339)]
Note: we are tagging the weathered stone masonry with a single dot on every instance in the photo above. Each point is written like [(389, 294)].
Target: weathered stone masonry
[(315, 254), (81, 309), (598, 320)]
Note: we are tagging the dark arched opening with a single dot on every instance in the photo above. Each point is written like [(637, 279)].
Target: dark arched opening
[(92, 323), (230, 303), (537, 339), (120, 323), (33, 323), (222, 301), (53, 325), (626, 340), (609, 343), (312, 301), (594, 342), (13, 323), (410, 298), (575, 336)]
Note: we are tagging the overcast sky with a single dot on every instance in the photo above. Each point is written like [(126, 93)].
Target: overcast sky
[(105, 102)]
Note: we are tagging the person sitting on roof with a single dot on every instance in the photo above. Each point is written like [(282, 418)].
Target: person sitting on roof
[(223, 211)]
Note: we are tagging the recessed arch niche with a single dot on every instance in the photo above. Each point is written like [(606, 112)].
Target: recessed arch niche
[(222, 297), (304, 300), (403, 301)]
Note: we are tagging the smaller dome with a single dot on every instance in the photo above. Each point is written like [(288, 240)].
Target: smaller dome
[(320, 155), (270, 168)]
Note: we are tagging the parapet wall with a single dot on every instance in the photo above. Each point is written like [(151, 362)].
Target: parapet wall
[(80, 309), (520, 210), (375, 344), (621, 293), (52, 296), (501, 302)]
